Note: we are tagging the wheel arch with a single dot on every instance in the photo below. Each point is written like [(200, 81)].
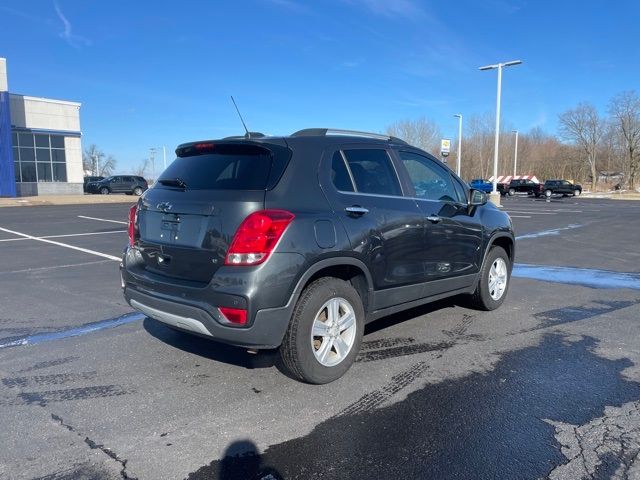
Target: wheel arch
[(504, 240), (349, 269)]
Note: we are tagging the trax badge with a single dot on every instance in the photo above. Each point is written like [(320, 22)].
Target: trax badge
[(164, 206)]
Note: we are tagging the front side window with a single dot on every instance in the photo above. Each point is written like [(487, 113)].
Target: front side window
[(373, 172), (430, 181)]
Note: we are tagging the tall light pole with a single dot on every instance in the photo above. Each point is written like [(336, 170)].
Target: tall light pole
[(515, 154), (164, 155), (459, 116), (495, 196)]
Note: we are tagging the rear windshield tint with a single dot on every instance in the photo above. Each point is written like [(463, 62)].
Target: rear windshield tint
[(226, 167)]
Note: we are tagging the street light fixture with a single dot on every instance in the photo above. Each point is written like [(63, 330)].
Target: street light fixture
[(515, 154), (459, 117), (495, 196)]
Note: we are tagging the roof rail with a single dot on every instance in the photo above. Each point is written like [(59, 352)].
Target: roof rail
[(323, 132)]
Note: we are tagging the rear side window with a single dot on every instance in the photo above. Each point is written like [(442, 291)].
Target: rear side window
[(339, 174), (373, 172), (223, 167)]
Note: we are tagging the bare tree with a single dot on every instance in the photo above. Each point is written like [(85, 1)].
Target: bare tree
[(95, 160), (584, 127), (624, 109), (142, 167), (422, 133)]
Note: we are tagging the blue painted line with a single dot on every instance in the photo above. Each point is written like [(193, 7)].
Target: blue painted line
[(578, 276), (546, 233), (74, 332)]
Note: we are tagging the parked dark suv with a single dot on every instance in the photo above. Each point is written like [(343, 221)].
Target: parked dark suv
[(561, 187), (129, 184), (297, 242), (90, 179)]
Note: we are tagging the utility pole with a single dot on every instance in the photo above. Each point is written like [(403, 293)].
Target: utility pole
[(152, 157)]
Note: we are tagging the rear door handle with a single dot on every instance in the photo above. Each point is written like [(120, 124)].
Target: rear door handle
[(434, 218), (356, 210)]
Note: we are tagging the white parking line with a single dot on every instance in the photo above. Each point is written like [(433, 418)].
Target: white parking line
[(103, 220), (61, 236), (531, 213), (85, 250), (520, 216), (39, 269)]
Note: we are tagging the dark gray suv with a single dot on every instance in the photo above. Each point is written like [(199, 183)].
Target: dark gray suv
[(297, 242)]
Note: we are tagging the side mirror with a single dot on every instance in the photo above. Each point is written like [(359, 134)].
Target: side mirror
[(477, 198)]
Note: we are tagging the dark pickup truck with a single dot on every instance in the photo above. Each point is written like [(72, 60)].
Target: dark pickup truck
[(561, 187), (523, 186)]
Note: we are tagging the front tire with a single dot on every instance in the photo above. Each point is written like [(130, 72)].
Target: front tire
[(137, 191), (104, 191), (493, 283), (325, 332), (512, 192), (576, 192), (547, 193)]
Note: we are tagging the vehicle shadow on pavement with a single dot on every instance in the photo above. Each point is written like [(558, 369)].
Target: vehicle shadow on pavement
[(241, 461), (210, 349), (502, 423)]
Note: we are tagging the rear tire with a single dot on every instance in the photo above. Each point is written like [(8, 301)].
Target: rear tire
[(493, 283), (137, 191), (547, 193), (304, 353), (512, 192)]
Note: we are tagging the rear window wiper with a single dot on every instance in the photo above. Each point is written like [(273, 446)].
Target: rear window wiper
[(173, 182)]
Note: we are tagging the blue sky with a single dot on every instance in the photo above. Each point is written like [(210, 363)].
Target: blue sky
[(160, 73)]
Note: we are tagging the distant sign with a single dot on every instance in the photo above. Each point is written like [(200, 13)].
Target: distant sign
[(445, 147)]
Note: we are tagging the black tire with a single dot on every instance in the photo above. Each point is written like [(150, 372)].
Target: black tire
[(137, 191), (481, 298), (297, 350), (512, 192), (577, 192), (547, 193), (104, 191)]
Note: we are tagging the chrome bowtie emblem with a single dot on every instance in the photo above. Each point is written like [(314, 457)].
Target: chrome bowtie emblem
[(164, 206)]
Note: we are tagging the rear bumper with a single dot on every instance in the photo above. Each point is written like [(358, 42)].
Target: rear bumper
[(267, 330)]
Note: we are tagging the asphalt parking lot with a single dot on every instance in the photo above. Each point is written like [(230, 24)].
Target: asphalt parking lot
[(546, 386)]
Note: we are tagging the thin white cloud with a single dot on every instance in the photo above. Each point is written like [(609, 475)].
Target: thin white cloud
[(75, 41), (391, 8), (290, 5)]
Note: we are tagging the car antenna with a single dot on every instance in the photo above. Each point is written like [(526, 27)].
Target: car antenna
[(248, 134)]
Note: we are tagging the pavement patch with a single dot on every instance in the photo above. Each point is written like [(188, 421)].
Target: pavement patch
[(73, 332), (585, 277)]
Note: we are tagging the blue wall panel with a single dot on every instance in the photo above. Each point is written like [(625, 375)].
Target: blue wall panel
[(7, 176)]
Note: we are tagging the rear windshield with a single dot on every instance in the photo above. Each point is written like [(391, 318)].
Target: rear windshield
[(225, 167)]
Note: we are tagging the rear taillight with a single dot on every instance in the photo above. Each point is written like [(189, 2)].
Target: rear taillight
[(237, 316), (133, 224), (257, 236)]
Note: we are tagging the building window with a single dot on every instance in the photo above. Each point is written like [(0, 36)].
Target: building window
[(39, 157)]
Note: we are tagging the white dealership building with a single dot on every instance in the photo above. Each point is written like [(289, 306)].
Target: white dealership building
[(40, 144)]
